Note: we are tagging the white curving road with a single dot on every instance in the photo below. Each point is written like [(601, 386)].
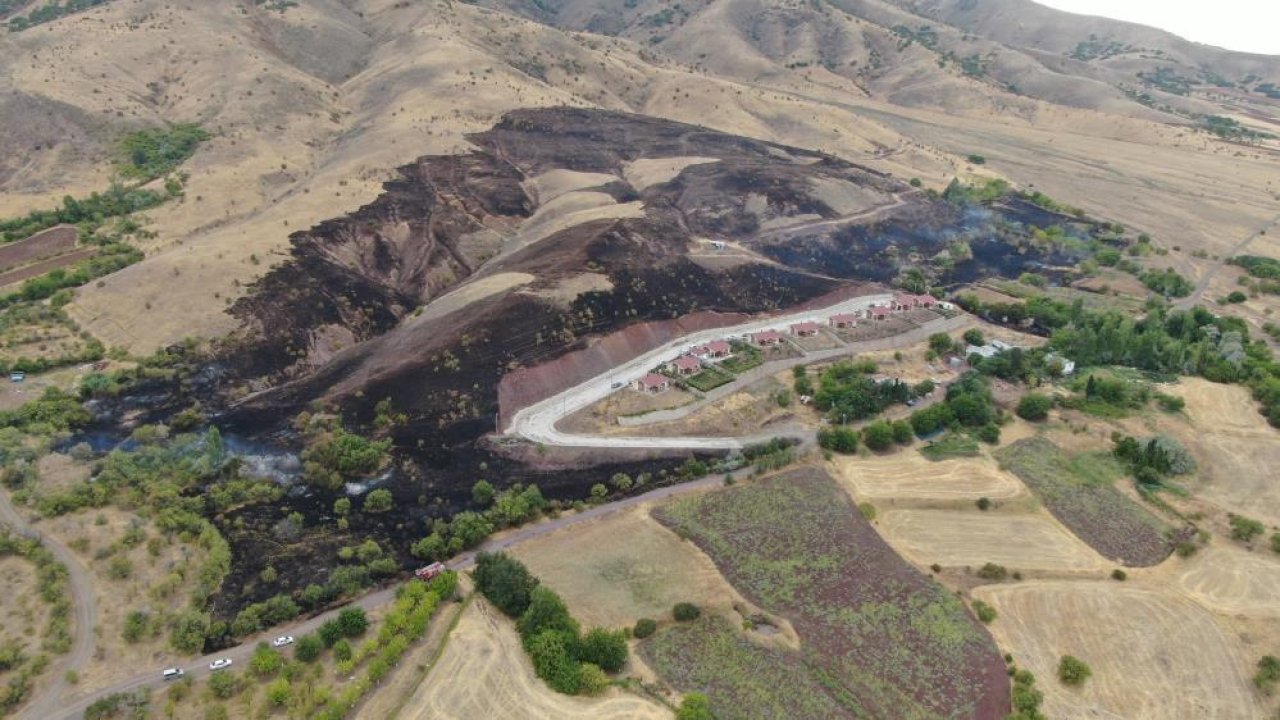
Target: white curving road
[(537, 422)]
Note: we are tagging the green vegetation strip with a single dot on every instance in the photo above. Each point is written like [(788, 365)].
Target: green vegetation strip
[(1080, 491), (52, 588), (880, 638)]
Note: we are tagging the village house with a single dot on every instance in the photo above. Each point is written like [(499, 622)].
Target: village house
[(878, 312), (653, 383), (991, 349), (714, 350), (766, 337), (686, 365), (908, 301), (844, 321), (805, 329)]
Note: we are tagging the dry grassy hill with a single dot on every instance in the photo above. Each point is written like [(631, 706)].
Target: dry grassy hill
[(312, 107)]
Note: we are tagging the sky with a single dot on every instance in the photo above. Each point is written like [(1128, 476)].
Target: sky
[(1244, 25)]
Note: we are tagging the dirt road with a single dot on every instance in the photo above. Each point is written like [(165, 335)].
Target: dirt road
[(1191, 300), (84, 617)]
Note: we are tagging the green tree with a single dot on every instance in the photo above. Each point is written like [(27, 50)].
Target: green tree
[(985, 612), (604, 648), (546, 611), (342, 650), (940, 343), (189, 630), (599, 492), (482, 492), (1034, 406), (329, 632), (695, 706), (308, 648), (342, 507), (378, 501), (266, 661), (1073, 671), (352, 620), (878, 435), (592, 680), (1245, 529), (469, 529), (1268, 674), (554, 662), (505, 581), (841, 439), (902, 432), (279, 692), (224, 684), (974, 336)]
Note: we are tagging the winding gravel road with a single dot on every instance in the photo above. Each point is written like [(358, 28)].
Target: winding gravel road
[(84, 617)]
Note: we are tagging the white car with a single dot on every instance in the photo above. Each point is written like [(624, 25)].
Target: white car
[(282, 641), (220, 663)]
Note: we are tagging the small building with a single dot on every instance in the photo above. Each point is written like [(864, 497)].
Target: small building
[(766, 337), (909, 301), (844, 321), (653, 383), (879, 312), (713, 350), (991, 349), (686, 365), (718, 244), (805, 329)]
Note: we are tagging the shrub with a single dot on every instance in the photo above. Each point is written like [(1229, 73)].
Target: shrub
[(989, 433), (839, 439), (902, 432), (135, 625), (279, 693), (974, 336), (308, 648), (1268, 674), (342, 650), (606, 649), (868, 510), (1119, 574), (266, 661), (695, 706), (329, 632), (992, 571), (482, 492), (684, 612), (378, 501), (1073, 671), (1245, 529), (1275, 542), (1034, 406), (984, 503), (985, 612), (223, 684), (592, 680), (505, 581), (644, 628), (546, 611), (352, 620)]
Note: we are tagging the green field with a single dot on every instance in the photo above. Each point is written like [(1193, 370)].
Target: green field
[(1080, 490), (882, 639), (709, 379), (951, 445)]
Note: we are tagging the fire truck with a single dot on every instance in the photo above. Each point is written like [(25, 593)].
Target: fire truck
[(427, 573)]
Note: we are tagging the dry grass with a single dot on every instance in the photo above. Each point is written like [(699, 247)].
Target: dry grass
[(646, 172), (95, 531), (970, 538), (1153, 655), (602, 417), (620, 568), (909, 475), (22, 613), (1229, 580), (484, 673)]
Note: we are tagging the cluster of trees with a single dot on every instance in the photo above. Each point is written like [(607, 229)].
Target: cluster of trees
[(110, 258), (968, 406), (567, 660), (1027, 698), (152, 153), (90, 212), (50, 11), (514, 506), (878, 436), (1167, 282), (846, 392), (333, 456), (1154, 460)]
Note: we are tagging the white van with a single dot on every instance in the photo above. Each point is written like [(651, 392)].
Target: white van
[(173, 673)]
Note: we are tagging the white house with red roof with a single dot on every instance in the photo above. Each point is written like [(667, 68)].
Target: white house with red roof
[(766, 337), (686, 365), (715, 350), (653, 383), (843, 321), (807, 328)]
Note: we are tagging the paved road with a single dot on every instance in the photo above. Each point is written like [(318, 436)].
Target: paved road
[(537, 422), (1191, 300), (84, 617), (240, 654)]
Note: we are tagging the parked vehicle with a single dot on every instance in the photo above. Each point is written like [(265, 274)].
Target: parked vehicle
[(173, 673), (282, 641), (430, 571), (220, 663)]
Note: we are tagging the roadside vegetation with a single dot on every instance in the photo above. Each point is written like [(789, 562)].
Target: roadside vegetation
[(19, 665)]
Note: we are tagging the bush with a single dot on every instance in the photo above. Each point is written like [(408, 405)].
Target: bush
[(989, 433), (378, 501), (1034, 406), (342, 651), (902, 432), (1245, 529), (266, 661), (644, 628), (308, 648), (867, 510), (1119, 574), (878, 435), (984, 503), (685, 612), (974, 336), (505, 581), (592, 680), (482, 492), (606, 649), (352, 620), (1268, 674), (985, 612), (695, 706), (1275, 542), (843, 440), (546, 612), (330, 632), (1073, 671), (224, 684), (992, 571)]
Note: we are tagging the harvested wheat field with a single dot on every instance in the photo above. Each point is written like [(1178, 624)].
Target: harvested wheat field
[(1232, 581), (1152, 655), (910, 475), (1215, 407), (956, 538), (613, 583), (484, 673)]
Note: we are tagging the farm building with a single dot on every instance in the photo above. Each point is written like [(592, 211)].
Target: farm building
[(766, 337), (844, 320), (653, 383), (805, 329), (715, 349), (686, 365)]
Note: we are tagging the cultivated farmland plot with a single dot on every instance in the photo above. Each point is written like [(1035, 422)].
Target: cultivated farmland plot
[(882, 640)]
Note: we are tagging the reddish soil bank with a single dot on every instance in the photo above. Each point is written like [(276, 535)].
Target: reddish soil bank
[(40, 268), (526, 386), (44, 244)]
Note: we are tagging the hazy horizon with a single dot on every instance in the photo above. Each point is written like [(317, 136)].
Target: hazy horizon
[(1241, 25)]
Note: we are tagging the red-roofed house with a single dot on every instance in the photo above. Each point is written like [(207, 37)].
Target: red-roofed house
[(908, 301), (713, 349), (844, 320), (805, 329), (686, 365), (766, 337), (653, 383), (878, 312)]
